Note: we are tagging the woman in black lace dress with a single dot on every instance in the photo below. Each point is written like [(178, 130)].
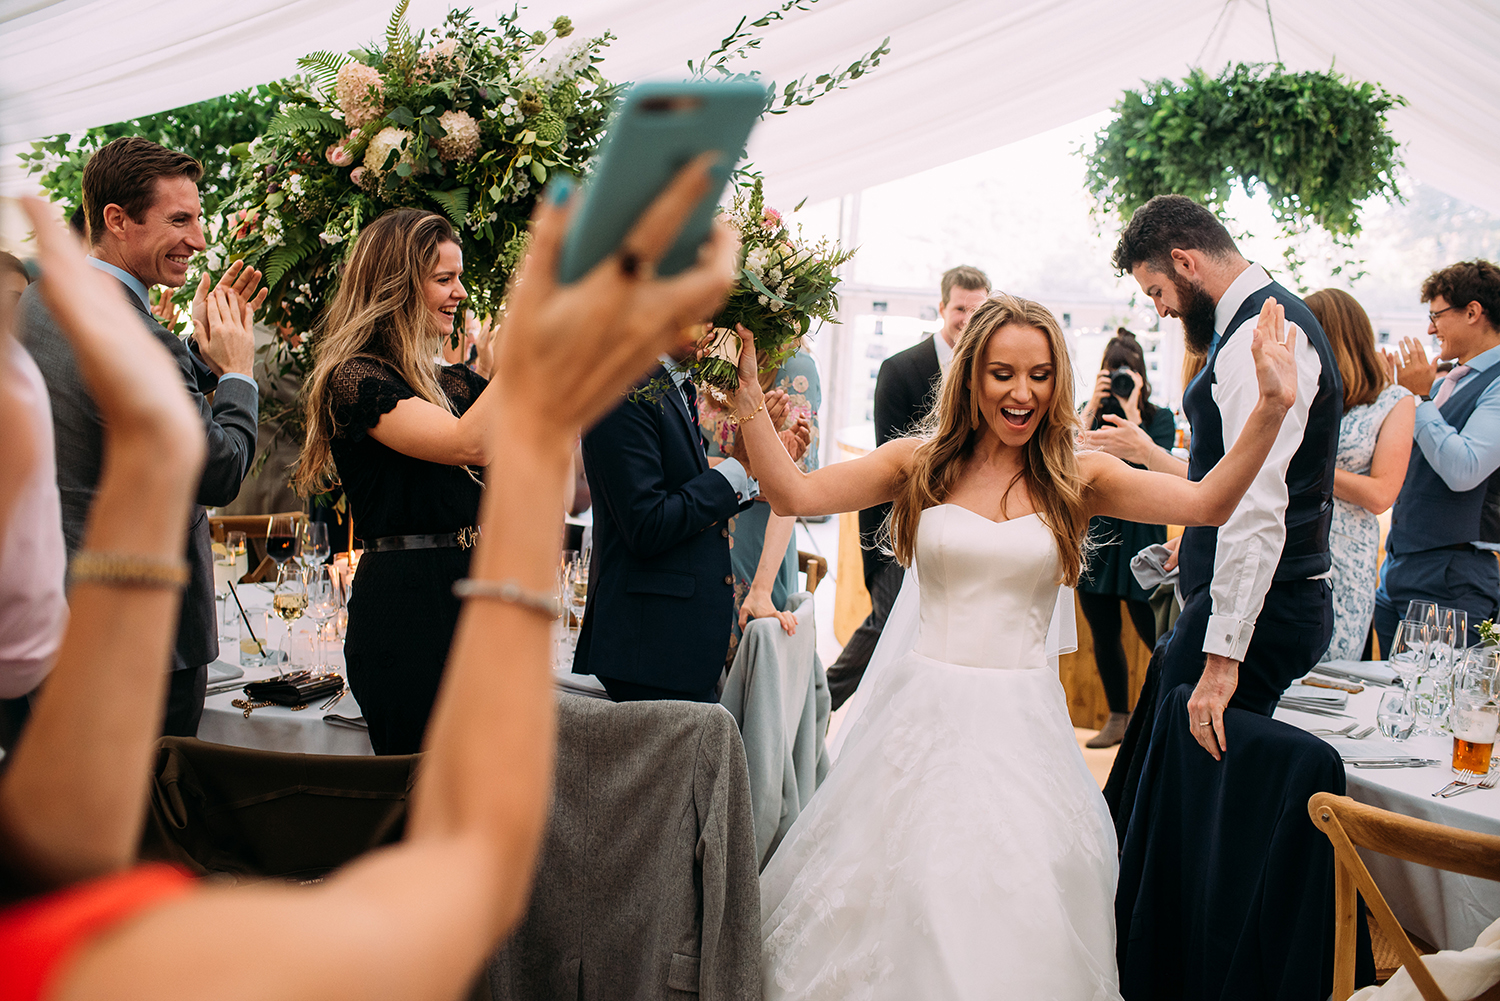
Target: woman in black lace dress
[(407, 438)]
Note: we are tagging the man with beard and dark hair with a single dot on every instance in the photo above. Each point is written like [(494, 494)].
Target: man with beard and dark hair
[(1257, 609)]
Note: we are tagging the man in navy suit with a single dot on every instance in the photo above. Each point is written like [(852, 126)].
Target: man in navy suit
[(661, 592)]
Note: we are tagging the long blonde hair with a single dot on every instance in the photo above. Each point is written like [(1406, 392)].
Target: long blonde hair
[(1049, 467), (378, 313)]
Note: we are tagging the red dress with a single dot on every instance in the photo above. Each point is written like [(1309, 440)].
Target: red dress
[(39, 936)]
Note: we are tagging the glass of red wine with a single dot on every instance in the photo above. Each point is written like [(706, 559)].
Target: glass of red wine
[(282, 540)]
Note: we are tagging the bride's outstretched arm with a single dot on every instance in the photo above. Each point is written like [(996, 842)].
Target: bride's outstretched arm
[(843, 486), (1121, 491)]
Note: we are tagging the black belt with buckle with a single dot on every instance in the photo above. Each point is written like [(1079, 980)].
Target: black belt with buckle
[(464, 538)]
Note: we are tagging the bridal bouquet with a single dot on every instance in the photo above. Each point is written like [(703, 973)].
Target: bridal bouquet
[(465, 120), (785, 283)]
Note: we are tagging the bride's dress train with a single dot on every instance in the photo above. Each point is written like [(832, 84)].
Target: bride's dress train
[(959, 848)]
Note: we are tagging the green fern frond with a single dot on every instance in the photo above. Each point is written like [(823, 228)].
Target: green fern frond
[(455, 204), (281, 260), (324, 67), (304, 119), (397, 26)]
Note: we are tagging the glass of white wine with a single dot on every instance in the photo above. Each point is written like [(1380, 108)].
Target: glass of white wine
[(289, 601)]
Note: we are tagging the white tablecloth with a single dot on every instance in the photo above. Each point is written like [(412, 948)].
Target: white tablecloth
[(277, 728), (1445, 909)]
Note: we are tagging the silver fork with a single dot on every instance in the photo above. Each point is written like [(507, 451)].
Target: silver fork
[(1362, 733), (1341, 732), (1488, 782)]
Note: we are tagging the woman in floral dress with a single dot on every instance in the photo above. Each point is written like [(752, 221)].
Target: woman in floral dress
[(761, 546), (1375, 440)]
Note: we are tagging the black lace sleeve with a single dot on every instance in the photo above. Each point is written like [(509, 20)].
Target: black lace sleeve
[(363, 390), (462, 386)]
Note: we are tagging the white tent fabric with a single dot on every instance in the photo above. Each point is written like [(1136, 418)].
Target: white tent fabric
[(963, 76)]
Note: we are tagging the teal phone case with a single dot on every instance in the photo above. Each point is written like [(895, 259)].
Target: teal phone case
[(658, 129)]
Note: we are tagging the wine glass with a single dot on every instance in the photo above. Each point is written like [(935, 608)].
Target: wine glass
[(281, 540), (1409, 651), (229, 567), (577, 599), (1431, 687), (315, 549), (1394, 715), (324, 597), (289, 601), (1423, 611), (1456, 619)]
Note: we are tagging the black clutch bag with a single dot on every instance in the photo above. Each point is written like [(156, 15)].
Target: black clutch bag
[(299, 688)]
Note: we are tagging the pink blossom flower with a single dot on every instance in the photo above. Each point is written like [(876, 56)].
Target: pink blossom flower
[(770, 219), (357, 175), (338, 154)]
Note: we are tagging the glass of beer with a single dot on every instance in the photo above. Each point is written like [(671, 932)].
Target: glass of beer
[(1476, 714)]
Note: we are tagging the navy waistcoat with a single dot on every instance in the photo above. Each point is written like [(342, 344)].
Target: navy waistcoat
[(1428, 515), (1309, 476)]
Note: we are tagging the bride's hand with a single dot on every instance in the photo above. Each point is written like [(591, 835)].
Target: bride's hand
[(1274, 348), (749, 396)]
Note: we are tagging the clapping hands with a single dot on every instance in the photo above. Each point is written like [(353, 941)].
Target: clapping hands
[(232, 347), (1273, 347)]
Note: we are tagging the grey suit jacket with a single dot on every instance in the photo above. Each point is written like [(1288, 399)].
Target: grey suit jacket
[(647, 887), (229, 423)]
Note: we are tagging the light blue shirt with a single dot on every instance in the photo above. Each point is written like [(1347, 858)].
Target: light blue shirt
[(142, 293), (745, 488), (1463, 459)]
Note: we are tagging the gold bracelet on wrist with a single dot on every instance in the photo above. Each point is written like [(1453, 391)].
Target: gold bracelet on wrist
[(511, 593), (122, 570), (742, 421)]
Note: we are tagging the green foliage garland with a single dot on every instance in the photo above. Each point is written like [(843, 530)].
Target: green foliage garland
[(1316, 142)]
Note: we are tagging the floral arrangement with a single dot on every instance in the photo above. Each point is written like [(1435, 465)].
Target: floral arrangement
[(1489, 633), (785, 283), (467, 120)]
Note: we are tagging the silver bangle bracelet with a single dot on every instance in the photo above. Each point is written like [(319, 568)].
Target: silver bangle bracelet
[(511, 593)]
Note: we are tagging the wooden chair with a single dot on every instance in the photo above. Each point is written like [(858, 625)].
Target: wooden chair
[(1350, 825), (816, 568)]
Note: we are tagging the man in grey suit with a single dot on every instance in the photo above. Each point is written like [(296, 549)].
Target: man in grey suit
[(141, 203)]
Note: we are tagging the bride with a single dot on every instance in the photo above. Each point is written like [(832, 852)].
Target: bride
[(960, 847)]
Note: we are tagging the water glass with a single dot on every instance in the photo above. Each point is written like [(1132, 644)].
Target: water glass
[(1394, 716), (229, 566), (324, 599)]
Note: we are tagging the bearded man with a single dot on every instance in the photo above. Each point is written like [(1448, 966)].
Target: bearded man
[(1257, 609)]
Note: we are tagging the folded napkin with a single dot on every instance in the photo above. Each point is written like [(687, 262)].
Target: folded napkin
[(1149, 567), (352, 722), (1331, 697), (1377, 671), (579, 684), (222, 670)]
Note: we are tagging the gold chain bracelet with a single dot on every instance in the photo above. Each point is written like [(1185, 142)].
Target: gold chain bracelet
[(742, 421), (123, 570), (511, 593)]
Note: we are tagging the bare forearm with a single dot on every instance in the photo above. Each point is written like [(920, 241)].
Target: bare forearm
[(1159, 460), (495, 713), (1372, 494), (779, 531)]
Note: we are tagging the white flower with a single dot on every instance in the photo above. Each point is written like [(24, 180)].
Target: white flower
[(329, 239), (294, 185), (564, 65), (756, 261), (380, 147), (462, 140)]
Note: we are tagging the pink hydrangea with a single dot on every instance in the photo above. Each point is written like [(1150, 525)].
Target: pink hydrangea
[(360, 92), (462, 140)]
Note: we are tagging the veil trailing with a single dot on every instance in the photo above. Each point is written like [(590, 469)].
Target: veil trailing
[(899, 637)]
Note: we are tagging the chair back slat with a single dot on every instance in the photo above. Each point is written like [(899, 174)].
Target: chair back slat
[(1421, 841)]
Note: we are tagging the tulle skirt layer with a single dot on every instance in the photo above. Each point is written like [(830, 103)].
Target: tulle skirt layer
[(959, 849)]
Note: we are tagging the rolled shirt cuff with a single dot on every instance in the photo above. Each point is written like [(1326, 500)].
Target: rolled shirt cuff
[(238, 375), (745, 488), (1227, 636)]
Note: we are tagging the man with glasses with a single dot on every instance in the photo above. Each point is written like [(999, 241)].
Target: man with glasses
[(1445, 527)]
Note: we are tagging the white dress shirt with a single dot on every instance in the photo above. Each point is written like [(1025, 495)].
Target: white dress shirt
[(944, 352), (1250, 542)]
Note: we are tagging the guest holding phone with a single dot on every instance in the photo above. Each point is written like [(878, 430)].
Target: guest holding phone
[(1107, 580), (415, 920)]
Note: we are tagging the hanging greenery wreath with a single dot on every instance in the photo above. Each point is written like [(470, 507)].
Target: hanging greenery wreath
[(1317, 143)]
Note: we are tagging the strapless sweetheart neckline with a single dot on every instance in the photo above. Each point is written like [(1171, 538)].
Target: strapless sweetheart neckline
[(992, 521)]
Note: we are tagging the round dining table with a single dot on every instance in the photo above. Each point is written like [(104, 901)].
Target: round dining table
[(1445, 909)]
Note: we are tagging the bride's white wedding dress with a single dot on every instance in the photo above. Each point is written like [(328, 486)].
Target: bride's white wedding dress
[(959, 848)]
